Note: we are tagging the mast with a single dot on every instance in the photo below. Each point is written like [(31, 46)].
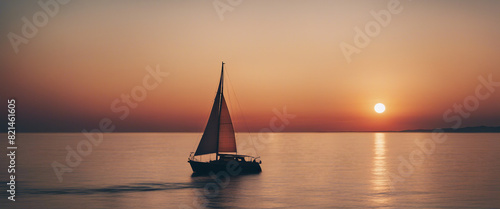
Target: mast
[(220, 107)]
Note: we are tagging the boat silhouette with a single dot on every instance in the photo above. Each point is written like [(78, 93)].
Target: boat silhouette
[(219, 138)]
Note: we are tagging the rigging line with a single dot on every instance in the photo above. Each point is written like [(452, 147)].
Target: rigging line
[(241, 114)]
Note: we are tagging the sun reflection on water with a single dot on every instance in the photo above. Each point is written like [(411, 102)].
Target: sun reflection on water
[(380, 184)]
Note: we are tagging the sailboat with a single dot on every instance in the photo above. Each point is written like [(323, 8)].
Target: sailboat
[(219, 139)]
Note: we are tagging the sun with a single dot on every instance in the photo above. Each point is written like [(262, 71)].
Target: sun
[(379, 108)]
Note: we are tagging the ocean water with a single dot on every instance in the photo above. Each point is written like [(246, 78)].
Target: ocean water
[(300, 170)]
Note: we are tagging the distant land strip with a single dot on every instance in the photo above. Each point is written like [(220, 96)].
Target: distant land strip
[(475, 129)]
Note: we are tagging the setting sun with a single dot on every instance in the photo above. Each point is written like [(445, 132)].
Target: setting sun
[(379, 108)]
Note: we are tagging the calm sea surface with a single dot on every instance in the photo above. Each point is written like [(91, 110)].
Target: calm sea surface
[(300, 170)]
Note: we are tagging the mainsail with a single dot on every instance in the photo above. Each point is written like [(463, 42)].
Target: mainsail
[(219, 132)]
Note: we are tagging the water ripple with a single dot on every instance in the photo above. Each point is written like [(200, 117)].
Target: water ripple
[(136, 187)]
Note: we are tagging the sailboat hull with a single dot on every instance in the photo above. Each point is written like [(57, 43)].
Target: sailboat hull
[(233, 167)]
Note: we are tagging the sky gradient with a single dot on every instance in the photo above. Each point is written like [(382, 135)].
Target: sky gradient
[(278, 54)]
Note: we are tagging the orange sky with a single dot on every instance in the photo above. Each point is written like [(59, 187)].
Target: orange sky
[(278, 53)]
